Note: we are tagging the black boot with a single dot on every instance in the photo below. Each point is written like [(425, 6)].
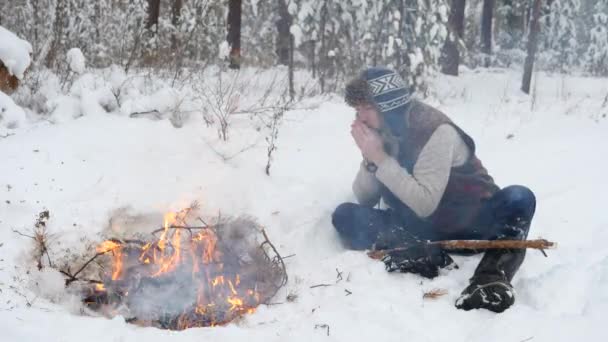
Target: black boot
[(490, 288), (491, 293)]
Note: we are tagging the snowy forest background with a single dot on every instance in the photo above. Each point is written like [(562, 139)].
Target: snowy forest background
[(331, 39)]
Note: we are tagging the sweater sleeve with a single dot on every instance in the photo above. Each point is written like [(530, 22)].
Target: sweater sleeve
[(366, 187), (422, 190)]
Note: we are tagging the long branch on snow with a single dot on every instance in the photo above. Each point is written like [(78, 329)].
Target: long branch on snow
[(540, 244)]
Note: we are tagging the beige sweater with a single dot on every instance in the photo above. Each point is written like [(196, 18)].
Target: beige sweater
[(422, 190)]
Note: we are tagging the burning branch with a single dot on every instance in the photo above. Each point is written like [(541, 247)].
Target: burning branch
[(540, 244), (176, 281), (106, 247)]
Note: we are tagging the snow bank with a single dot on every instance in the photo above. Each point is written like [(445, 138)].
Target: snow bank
[(11, 115), (296, 31), (223, 50), (15, 53), (76, 60)]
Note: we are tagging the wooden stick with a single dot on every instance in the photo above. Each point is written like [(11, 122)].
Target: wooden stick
[(472, 244)]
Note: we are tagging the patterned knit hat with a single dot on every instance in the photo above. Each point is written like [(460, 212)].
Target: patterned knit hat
[(385, 89), (379, 86)]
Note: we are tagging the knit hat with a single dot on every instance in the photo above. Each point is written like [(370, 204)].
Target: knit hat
[(383, 88)]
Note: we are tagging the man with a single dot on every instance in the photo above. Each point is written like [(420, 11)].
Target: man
[(424, 168)]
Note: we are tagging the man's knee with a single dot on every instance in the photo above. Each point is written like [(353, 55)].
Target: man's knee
[(520, 201), (342, 217), (516, 206), (354, 226)]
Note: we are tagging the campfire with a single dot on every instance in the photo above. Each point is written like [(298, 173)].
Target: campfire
[(185, 276)]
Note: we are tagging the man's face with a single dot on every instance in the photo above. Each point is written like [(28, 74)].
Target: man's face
[(368, 114)]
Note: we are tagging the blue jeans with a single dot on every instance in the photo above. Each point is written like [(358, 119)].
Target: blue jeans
[(506, 215)]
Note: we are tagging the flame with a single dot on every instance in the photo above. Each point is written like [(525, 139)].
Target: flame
[(218, 280), (107, 246), (232, 288), (168, 220), (235, 303), (168, 260), (117, 264), (116, 249), (195, 263), (219, 296)]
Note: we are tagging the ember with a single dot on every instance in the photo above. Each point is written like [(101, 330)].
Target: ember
[(186, 276)]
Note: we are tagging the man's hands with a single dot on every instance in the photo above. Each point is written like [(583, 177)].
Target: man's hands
[(369, 142)]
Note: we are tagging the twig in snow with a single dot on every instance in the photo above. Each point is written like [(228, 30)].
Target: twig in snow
[(24, 235), (154, 112), (321, 285), (271, 304), (339, 276), (434, 294), (28, 303), (278, 256), (40, 237), (226, 158), (291, 297), (323, 326), (271, 139)]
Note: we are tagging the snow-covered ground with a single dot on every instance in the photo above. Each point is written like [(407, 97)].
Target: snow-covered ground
[(82, 163)]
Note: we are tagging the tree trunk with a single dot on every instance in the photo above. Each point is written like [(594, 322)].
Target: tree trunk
[(486, 29), (58, 32), (153, 14), (313, 46), (457, 17), (532, 47), (36, 14), (514, 23), (96, 20), (234, 33), (450, 54), (175, 20), (322, 51), (284, 36), (292, 90)]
